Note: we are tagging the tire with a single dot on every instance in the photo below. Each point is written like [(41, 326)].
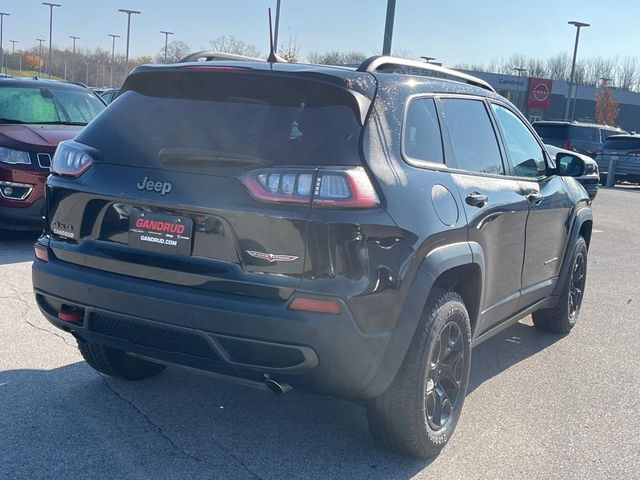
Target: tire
[(562, 318), (117, 363), (403, 418)]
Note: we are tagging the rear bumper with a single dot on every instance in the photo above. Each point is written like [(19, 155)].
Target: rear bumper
[(28, 218), (228, 334)]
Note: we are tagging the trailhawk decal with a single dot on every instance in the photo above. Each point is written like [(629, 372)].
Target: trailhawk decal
[(272, 257)]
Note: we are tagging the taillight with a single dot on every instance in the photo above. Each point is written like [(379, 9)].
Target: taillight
[(71, 159), (566, 144), (333, 188)]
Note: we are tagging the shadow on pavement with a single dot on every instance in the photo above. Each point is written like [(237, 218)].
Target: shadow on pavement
[(71, 422), (16, 247), (512, 346)]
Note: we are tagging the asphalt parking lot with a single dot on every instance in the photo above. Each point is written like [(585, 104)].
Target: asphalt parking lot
[(539, 405)]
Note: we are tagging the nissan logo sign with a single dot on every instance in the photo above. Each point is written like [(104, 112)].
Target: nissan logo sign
[(541, 92)]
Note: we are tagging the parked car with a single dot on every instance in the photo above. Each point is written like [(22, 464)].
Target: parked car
[(35, 115), (591, 176), (345, 232), (579, 137), (109, 95), (624, 151)]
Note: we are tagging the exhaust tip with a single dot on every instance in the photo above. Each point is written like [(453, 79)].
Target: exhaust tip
[(277, 387)]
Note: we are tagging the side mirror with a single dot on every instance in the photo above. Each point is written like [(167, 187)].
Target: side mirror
[(569, 165)]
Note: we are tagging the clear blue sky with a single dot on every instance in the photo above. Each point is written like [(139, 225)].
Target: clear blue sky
[(453, 31)]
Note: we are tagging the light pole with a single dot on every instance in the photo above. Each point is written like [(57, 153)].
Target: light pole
[(73, 63), (578, 26), (388, 27), (113, 57), (277, 28), (13, 54), (2, 15), (520, 71), (166, 43), (40, 41), (129, 13), (51, 6), (74, 43)]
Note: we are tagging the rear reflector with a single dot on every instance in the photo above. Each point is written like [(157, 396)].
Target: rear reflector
[(318, 306), (71, 316), (41, 252)]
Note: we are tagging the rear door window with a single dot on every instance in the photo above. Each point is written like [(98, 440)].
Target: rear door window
[(473, 138), (421, 138)]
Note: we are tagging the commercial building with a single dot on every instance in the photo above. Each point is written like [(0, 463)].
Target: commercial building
[(543, 99)]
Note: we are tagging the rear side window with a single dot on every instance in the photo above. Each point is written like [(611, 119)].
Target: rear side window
[(586, 134), (551, 131), (605, 133), (422, 139), (623, 143), (472, 136), (201, 119)]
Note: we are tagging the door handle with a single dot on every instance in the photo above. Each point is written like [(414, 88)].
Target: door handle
[(476, 199), (535, 198)]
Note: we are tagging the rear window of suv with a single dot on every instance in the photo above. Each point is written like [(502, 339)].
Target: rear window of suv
[(191, 118), (546, 131), (621, 143)]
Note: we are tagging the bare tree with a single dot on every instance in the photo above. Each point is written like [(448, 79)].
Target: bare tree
[(559, 67), (231, 44), (627, 75), (401, 52), (175, 51), (336, 57), (289, 50)]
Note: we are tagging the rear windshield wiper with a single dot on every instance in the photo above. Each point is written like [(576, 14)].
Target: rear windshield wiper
[(61, 122), (11, 121)]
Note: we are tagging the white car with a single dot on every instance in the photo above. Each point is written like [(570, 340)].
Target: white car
[(591, 176)]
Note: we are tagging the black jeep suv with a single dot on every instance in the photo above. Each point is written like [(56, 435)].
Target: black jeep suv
[(352, 232)]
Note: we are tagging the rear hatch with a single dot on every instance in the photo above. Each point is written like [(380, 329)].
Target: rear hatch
[(202, 176)]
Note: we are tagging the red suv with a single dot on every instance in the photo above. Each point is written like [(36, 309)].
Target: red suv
[(35, 115)]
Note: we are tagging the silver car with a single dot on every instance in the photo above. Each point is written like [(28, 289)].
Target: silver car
[(622, 152)]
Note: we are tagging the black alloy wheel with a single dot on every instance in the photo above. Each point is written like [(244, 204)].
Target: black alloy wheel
[(444, 376)]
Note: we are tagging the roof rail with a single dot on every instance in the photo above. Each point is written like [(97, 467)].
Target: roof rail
[(208, 56), (388, 64)]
